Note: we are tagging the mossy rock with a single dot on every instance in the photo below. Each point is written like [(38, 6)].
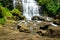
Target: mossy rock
[(16, 12)]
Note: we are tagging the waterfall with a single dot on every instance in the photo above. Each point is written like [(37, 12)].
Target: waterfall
[(14, 5), (30, 9)]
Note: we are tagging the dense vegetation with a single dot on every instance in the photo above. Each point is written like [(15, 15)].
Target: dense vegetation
[(8, 12), (50, 7)]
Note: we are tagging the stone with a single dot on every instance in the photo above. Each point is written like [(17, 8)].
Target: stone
[(23, 26), (37, 18), (49, 19), (54, 31), (44, 25), (40, 27), (42, 32), (57, 21), (28, 26), (57, 16)]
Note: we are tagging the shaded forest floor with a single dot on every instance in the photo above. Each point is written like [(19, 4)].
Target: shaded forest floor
[(7, 33)]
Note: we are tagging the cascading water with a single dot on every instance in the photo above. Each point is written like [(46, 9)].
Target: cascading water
[(14, 1), (30, 9)]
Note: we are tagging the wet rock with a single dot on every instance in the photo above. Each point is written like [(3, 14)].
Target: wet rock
[(49, 19), (22, 26), (44, 25), (28, 26), (22, 18), (37, 18), (57, 16), (57, 21), (42, 32), (40, 27), (42, 18), (54, 31), (43, 28)]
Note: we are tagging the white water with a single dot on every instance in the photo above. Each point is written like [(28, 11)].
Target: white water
[(30, 9), (53, 24), (14, 3)]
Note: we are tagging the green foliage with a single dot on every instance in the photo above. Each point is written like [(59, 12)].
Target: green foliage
[(50, 5), (17, 15), (17, 12), (2, 20), (5, 12), (0, 2)]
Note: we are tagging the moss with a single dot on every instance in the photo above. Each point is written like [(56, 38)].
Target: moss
[(16, 12), (6, 13), (2, 20), (17, 15)]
